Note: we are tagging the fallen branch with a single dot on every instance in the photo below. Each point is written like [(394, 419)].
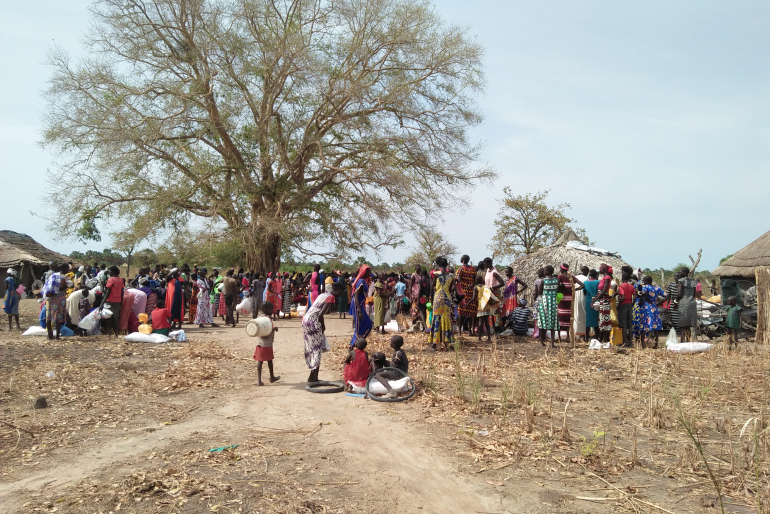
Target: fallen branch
[(18, 428)]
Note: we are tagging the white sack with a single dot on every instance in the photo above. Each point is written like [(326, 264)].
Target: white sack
[(138, 337)]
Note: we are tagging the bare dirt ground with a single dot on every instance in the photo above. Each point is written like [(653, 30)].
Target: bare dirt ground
[(493, 428)]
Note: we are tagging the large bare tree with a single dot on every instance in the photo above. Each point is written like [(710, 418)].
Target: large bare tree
[(317, 124)]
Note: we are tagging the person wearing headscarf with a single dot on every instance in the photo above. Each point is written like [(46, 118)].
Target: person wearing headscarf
[(203, 312), (12, 297), (362, 323), (152, 296), (55, 293), (313, 329)]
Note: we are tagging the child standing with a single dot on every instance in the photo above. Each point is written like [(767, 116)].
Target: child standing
[(264, 350), (733, 322)]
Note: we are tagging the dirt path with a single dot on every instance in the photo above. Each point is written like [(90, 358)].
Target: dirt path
[(381, 445)]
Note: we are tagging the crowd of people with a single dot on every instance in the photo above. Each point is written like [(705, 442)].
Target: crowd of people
[(442, 302)]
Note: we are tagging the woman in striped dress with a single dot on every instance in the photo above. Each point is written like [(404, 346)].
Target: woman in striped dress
[(564, 310), (673, 306)]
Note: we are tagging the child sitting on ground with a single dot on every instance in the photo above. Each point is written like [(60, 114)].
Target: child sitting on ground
[(733, 322), (356, 366), (264, 350), (399, 357), (400, 361), (520, 318), (160, 317)]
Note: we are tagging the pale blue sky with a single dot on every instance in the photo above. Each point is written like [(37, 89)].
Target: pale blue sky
[(651, 118)]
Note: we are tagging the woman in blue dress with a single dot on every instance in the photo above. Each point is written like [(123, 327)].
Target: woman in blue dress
[(592, 315), (11, 303), (646, 315), (362, 323)]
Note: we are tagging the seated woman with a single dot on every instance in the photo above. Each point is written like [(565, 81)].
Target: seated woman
[(356, 366)]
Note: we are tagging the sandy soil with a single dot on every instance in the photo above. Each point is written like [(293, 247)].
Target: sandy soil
[(129, 428)]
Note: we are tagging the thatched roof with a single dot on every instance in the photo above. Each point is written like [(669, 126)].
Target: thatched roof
[(747, 259), (17, 249), (526, 266)]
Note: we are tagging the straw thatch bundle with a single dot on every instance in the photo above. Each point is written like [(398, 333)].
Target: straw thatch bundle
[(747, 259), (526, 267), (17, 249)]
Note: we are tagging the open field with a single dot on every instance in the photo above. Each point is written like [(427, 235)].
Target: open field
[(494, 428)]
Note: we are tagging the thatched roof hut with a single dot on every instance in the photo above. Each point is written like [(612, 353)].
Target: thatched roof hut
[(28, 257), (566, 250), (743, 262)]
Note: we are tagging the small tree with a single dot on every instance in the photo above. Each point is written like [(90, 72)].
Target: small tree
[(525, 224), (430, 244)]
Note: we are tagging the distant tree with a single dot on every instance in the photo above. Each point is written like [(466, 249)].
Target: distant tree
[(146, 258), (106, 256), (526, 223), (320, 124), (723, 259), (430, 244)]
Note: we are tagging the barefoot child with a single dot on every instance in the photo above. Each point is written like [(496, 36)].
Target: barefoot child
[(733, 322), (356, 366), (264, 351)]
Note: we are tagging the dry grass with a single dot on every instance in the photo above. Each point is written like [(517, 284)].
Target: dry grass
[(519, 393), (265, 474)]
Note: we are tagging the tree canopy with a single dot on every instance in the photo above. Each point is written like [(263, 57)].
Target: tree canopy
[(312, 123), (526, 223)]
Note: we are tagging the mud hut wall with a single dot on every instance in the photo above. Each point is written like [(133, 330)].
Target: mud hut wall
[(763, 304), (26, 274)]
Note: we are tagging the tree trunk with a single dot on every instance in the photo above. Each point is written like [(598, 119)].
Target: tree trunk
[(263, 251)]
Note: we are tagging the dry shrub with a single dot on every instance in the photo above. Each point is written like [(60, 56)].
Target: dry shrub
[(688, 458)]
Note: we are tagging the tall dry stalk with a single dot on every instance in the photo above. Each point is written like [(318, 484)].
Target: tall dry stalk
[(689, 428)]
